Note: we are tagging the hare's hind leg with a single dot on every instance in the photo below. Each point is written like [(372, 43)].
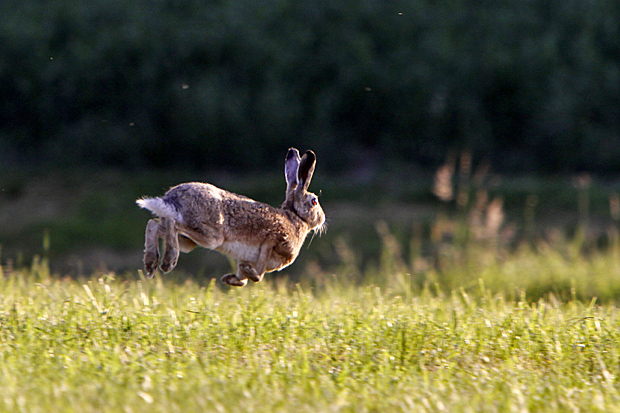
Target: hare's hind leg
[(171, 237), (151, 248), (186, 244)]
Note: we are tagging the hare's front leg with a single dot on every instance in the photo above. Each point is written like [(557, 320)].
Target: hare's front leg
[(170, 235), (253, 271), (151, 248), (245, 270), (257, 271), (234, 280)]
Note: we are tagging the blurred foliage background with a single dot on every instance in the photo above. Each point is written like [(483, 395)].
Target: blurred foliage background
[(443, 129), (530, 85)]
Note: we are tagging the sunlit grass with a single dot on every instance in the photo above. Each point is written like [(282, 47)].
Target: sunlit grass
[(461, 313), (106, 344)]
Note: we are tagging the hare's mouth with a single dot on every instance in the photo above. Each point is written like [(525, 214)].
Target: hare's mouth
[(321, 228)]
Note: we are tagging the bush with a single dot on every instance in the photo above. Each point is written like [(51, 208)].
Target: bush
[(194, 83)]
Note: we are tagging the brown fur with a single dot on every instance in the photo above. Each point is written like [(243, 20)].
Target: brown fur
[(260, 237)]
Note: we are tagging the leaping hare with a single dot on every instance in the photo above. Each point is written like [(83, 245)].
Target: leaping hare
[(260, 237)]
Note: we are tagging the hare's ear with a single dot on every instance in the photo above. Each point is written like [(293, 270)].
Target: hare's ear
[(290, 168), (305, 171)]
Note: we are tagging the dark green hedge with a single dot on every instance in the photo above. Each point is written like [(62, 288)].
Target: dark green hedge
[(531, 85)]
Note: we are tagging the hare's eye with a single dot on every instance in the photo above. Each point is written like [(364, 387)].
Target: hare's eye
[(314, 202)]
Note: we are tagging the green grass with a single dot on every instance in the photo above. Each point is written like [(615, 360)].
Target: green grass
[(395, 309), (113, 344)]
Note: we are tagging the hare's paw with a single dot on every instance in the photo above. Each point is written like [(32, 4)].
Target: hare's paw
[(256, 278), (171, 257), (250, 272), (150, 264), (167, 266), (169, 261), (231, 279)]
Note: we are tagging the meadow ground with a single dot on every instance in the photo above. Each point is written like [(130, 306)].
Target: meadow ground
[(125, 344), (488, 303)]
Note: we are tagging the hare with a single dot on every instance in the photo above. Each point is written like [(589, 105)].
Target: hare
[(260, 237)]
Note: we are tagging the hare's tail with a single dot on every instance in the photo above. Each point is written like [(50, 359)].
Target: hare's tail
[(159, 207)]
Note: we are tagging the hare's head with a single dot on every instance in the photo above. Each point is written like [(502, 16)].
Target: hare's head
[(298, 172)]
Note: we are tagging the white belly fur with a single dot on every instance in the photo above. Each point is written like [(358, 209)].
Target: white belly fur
[(246, 252), (239, 251)]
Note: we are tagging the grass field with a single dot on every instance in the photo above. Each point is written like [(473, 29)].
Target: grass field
[(404, 305), (125, 344), (500, 300)]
